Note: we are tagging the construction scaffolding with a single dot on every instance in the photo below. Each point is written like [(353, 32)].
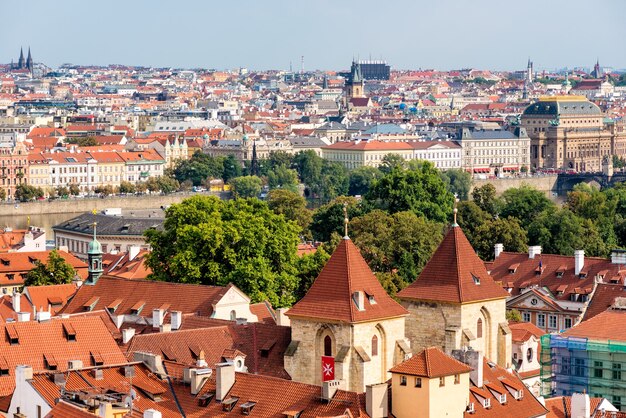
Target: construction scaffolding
[(570, 364)]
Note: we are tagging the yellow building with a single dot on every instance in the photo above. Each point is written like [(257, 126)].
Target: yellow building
[(39, 173), (109, 169), (430, 385)]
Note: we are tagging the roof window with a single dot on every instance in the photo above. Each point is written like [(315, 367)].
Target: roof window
[(137, 307), (229, 404), (487, 403), (205, 399), (246, 408), (69, 331), (476, 280)]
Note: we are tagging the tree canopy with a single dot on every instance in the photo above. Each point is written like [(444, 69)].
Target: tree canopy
[(213, 242), (55, 271), (246, 186)]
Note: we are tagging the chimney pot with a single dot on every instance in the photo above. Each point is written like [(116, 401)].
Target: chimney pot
[(176, 320), (579, 261), (534, 250)]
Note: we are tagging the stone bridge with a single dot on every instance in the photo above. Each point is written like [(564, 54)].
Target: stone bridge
[(566, 182)]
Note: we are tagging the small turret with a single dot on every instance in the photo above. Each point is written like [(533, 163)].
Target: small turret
[(94, 256)]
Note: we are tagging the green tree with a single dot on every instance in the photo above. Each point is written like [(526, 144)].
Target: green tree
[(598, 207), (524, 203), (104, 190), (141, 187), (513, 315), (167, 184), (152, 184), (360, 180), (55, 271), (214, 242), (498, 231), (127, 187), (232, 168), (246, 186), (562, 232), (62, 191), (88, 141), (309, 167), (470, 216), (198, 168), (74, 189), (24, 192), (291, 205), (457, 181), (329, 219), (282, 177), (333, 181), (309, 267), (485, 197), (392, 162), (419, 189), (401, 243)]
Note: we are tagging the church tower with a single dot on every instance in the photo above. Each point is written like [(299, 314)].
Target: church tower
[(21, 63), (530, 76), (346, 314), (29, 61), (455, 303), (94, 256), (596, 73), (355, 86)]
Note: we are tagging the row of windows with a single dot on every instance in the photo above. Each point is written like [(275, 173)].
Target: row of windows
[(417, 381), (553, 322)]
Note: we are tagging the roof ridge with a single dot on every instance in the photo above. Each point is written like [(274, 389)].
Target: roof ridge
[(456, 250)]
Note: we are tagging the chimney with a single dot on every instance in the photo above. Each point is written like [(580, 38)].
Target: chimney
[(281, 318), (43, 316), (23, 373), (618, 257), (157, 318), (133, 250), (534, 250), (579, 261), (176, 320), (16, 299), (152, 361), (474, 359), (198, 377), (580, 405), (376, 400), (329, 388), (105, 410), (224, 380), (498, 248), (23, 316), (127, 335), (151, 413)]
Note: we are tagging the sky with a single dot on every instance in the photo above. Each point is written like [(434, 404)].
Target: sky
[(271, 34)]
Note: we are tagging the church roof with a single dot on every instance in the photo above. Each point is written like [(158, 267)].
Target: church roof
[(454, 274), (331, 295)]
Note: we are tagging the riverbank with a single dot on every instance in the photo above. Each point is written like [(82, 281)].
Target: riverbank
[(80, 205)]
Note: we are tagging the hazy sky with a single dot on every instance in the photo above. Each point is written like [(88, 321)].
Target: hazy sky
[(269, 34)]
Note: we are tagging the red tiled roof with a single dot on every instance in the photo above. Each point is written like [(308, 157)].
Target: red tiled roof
[(187, 298), (369, 146), (522, 331), (431, 362), (525, 275), (455, 274), (561, 406), (331, 294), (55, 296), (608, 325), (603, 298), (20, 263), (497, 379), (66, 410), (48, 338)]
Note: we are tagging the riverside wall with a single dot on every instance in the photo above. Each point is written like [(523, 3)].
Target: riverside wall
[(546, 184), (80, 205)]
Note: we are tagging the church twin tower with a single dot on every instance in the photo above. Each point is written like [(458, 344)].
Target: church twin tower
[(348, 315)]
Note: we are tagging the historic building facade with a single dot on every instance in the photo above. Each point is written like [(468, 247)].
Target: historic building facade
[(571, 133)]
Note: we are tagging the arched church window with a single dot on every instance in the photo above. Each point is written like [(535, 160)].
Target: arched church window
[(374, 346), (479, 328), (328, 346)]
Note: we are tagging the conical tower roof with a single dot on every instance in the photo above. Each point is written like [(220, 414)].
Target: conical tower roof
[(332, 295), (454, 274)]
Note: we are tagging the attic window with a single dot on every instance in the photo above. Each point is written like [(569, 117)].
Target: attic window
[(91, 303), (476, 280), (487, 403), (11, 276), (371, 299), (205, 399), (5, 262), (229, 404), (583, 275), (12, 335), (50, 362), (69, 331), (265, 349), (513, 268), (137, 307), (502, 398), (96, 358), (114, 305), (125, 227), (246, 408)]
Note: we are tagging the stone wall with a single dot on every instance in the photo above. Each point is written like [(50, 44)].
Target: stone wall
[(546, 184), (80, 205)]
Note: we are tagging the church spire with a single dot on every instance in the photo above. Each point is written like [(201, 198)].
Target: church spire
[(20, 62), (94, 256), (29, 61)]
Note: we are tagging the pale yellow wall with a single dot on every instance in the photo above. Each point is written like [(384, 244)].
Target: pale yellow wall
[(431, 400)]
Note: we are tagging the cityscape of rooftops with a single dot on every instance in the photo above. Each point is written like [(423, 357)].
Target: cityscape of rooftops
[(313, 209)]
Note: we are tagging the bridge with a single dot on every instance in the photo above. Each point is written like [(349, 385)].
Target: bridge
[(566, 182)]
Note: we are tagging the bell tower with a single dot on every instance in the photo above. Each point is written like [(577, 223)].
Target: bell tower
[(94, 256)]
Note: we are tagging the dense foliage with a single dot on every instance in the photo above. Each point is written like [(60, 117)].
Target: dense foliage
[(55, 271)]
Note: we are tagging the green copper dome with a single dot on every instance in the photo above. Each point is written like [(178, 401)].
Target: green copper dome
[(94, 247)]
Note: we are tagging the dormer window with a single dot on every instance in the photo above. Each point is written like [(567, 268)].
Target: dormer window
[(359, 300), (371, 299), (229, 404), (487, 403), (476, 280), (513, 268), (502, 398)]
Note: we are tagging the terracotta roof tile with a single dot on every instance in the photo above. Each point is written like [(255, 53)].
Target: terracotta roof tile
[(455, 274), (431, 362), (603, 298), (331, 294), (604, 326)]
